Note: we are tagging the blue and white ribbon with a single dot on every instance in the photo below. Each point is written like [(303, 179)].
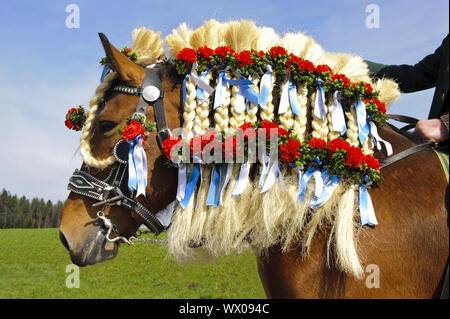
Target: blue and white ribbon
[(304, 179), (242, 180), (337, 114), (216, 178), (228, 172), (202, 94), (264, 160), (219, 97), (203, 88), (379, 140), (245, 89), (273, 174), (289, 98), (366, 211), (186, 78), (137, 166), (328, 190), (190, 187), (183, 174), (319, 103), (265, 86), (361, 119), (105, 71)]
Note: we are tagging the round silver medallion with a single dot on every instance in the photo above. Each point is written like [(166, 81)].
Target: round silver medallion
[(150, 93)]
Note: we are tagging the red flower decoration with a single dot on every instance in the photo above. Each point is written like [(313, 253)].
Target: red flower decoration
[(168, 144), (354, 157), (277, 51), (188, 55), (69, 124), (345, 80), (338, 144), (271, 129), (368, 88), (323, 68), (247, 131), (290, 151), (293, 60), (306, 65), (132, 130), (223, 51), (380, 105), (205, 52), (244, 58), (372, 162), (317, 143)]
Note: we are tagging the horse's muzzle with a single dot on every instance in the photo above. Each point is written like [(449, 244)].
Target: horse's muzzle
[(94, 249)]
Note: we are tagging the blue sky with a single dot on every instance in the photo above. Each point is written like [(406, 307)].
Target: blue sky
[(47, 68)]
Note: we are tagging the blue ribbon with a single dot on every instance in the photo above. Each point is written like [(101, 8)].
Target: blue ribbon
[(200, 92), (219, 96), (327, 191), (292, 90), (213, 194), (364, 205), (245, 89), (265, 89), (320, 98), (132, 178), (105, 71), (304, 183), (184, 87), (361, 119), (190, 187)]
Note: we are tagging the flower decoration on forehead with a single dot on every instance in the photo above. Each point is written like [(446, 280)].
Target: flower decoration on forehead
[(75, 118), (136, 126), (128, 52)]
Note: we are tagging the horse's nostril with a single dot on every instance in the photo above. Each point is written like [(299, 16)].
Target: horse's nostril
[(63, 240)]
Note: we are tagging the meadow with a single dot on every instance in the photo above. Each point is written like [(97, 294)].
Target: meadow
[(33, 265)]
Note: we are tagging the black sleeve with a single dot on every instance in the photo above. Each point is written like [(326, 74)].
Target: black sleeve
[(412, 78)]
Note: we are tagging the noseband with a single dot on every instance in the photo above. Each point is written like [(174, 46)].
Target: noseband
[(114, 189)]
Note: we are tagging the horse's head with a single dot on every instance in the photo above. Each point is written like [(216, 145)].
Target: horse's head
[(81, 231)]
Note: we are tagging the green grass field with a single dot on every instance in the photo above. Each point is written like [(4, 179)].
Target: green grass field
[(33, 265)]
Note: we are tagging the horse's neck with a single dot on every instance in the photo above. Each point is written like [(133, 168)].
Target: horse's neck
[(399, 142)]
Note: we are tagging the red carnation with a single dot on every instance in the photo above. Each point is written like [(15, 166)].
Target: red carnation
[(354, 157), (223, 50), (272, 128), (368, 88), (317, 143), (168, 144), (372, 162), (68, 123), (247, 130), (338, 144), (188, 55), (345, 80), (244, 58), (380, 106), (277, 51), (323, 68), (205, 52), (132, 130), (306, 65), (293, 59), (290, 151)]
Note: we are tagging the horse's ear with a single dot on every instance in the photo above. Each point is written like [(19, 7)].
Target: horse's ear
[(128, 71)]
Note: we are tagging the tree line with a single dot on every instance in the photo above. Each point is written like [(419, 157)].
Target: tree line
[(21, 212)]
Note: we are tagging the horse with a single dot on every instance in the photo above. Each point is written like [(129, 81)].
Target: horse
[(404, 257)]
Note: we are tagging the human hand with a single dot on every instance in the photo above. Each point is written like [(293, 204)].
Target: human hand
[(432, 130)]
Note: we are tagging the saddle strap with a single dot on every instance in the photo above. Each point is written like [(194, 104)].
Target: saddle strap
[(417, 148)]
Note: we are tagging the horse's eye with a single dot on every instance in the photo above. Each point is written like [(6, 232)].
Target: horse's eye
[(106, 126)]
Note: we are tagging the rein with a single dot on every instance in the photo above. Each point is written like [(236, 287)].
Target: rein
[(411, 123), (114, 189)]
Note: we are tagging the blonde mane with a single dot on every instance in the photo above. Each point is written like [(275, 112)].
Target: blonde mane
[(253, 220)]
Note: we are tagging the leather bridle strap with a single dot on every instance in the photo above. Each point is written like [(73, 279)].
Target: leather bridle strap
[(152, 79), (412, 150)]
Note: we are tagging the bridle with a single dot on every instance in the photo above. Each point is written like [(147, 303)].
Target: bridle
[(114, 189)]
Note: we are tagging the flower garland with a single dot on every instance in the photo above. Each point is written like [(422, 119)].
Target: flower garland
[(253, 63), (338, 156), (75, 118)]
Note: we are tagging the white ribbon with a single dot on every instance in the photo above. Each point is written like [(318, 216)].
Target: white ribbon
[(183, 173), (319, 103), (199, 80), (273, 174), (228, 172), (264, 160), (264, 86), (284, 100), (378, 139), (337, 114), (140, 163), (241, 182), (319, 183), (239, 102)]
